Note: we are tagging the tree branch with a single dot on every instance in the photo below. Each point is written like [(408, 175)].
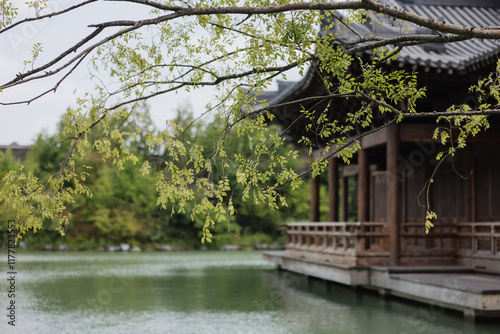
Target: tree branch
[(451, 113), (41, 17), (181, 84), (460, 32), (469, 32), (20, 78), (53, 89), (153, 4), (401, 41)]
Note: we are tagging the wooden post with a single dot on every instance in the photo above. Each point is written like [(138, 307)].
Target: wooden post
[(393, 213), (333, 190), (363, 186), (315, 199)]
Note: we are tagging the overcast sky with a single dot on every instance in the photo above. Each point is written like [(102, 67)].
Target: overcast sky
[(23, 123)]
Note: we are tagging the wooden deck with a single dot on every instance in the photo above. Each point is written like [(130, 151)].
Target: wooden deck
[(460, 288)]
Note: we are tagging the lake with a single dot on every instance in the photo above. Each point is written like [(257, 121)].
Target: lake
[(200, 292)]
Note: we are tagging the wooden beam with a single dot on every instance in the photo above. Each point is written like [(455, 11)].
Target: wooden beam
[(375, 139), (350, 170), (393, 213), (410, 133), (363, 186), (333, 190)]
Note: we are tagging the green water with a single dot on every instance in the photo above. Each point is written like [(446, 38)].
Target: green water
[(199, 292)]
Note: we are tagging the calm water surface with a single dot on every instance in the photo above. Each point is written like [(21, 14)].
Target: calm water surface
[(200, 292)]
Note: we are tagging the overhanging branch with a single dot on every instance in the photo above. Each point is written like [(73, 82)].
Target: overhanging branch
[(485, 112)]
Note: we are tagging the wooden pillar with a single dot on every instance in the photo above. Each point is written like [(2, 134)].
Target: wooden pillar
[(344, 199), (315, 199), (394, 203), (363, 186), (333, 190)]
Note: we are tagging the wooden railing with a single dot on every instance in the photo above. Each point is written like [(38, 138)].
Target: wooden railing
[(479, 239), (439, 247), (459, 238), (440, 240), (355, 243), (366, 243)]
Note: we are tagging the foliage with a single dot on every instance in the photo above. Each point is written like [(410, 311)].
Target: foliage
[(247, 200), (123, 203), (240, 50), (7, 163)]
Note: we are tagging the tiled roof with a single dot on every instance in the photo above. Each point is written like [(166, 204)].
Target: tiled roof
[(459, 56)]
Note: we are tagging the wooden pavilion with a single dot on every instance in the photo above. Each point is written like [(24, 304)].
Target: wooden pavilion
[(379, 222)]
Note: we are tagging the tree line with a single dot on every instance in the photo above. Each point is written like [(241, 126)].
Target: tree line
[(122, 206)]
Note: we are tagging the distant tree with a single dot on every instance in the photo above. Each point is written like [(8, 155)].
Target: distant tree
[(8, 162)]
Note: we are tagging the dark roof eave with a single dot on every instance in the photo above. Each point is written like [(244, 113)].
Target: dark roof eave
[(296, 89)]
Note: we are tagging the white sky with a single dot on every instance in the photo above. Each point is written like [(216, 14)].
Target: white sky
[(23, 123)]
